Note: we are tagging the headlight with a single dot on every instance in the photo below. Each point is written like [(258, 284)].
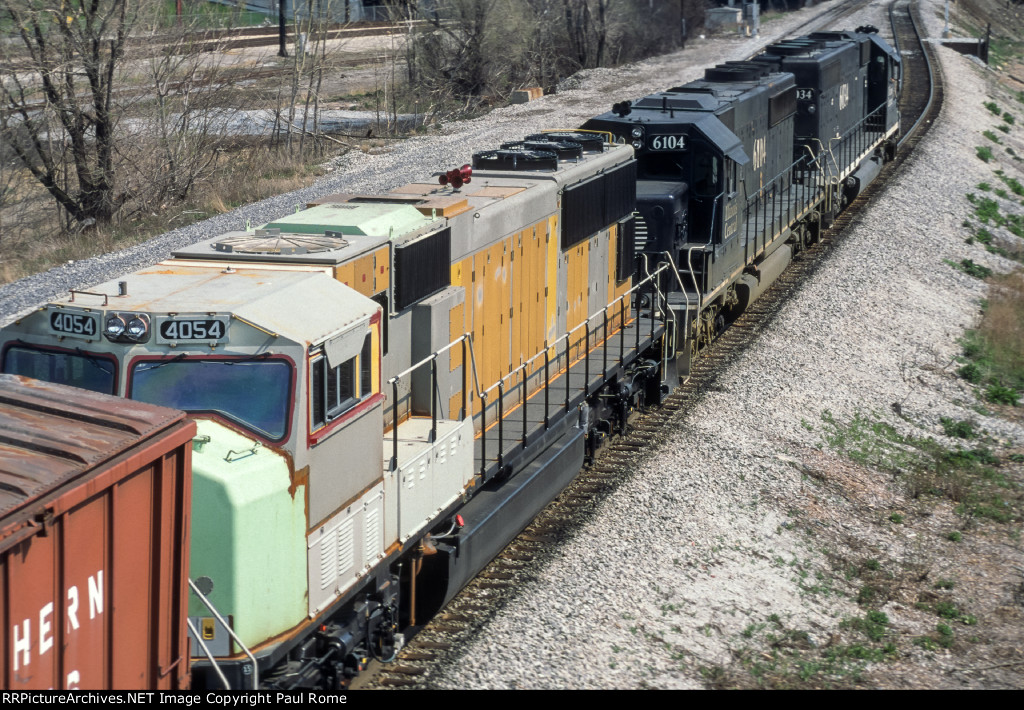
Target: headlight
[(638, 132), (126, 327), (114, 327), (138, 328), (637, 145)]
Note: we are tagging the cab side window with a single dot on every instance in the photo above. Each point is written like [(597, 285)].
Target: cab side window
[(335, 390)]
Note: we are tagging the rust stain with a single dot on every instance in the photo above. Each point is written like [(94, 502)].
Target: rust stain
[(299, 478)]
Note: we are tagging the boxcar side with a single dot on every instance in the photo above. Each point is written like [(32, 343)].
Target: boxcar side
[(95, 495)]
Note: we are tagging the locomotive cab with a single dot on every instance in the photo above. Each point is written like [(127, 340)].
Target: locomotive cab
[(281, 369), (688, 161)]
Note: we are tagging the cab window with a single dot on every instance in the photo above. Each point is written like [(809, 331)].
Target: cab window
[(97, 373), (336, 390)]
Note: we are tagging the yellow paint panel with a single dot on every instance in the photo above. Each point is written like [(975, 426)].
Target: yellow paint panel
[(455, 405), (375, 356), (346, 274), (382, 270), (462, 269), (517, 293), (551, 236), (577, 284), (363, 276)]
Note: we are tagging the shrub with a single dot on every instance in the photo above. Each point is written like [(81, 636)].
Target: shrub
[(984, 152), (1000, 394), (958, 429)]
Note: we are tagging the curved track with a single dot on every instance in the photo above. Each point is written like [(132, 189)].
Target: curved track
[(440, 640)]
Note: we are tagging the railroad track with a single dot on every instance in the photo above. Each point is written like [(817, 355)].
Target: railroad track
[(441, 639)]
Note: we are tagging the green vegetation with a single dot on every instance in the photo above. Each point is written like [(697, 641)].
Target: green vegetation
[(958, 429), (993, 107), (992, 137), (984, 152), (970, 268), (200, 14), (993, 355), (896, 518), (969, 477), (1008, 117), (793, 660), (954, 536)]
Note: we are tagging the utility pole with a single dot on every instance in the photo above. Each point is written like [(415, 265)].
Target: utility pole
[(283, 51)]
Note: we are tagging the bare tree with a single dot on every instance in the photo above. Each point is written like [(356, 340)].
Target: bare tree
[(458, 54), (58, 112)]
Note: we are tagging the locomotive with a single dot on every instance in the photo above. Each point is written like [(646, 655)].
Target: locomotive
[(388, 388), (739, 171)]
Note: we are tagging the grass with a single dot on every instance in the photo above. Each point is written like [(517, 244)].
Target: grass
[(788, 658), (970, 477), (970, 268), (983, 152), (958, 429), (993, 354), (208, 15)]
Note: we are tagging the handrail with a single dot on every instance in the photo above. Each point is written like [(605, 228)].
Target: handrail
[(209, 655), (521, 370), (582, 324), (245, 649)]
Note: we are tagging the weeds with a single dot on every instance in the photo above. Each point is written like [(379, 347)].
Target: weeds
[(958, 429), (992, 137), (970, 268), (984, 152), (968, 476)]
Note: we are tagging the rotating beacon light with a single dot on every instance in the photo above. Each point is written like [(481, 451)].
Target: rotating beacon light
[(457, 177)]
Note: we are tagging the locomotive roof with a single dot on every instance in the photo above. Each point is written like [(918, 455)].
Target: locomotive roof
[(277, 300), (704, 122), (354, 219)]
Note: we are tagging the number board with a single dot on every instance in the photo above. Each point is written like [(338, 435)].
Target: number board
[(75, 325), (177, 330), (677, 142), (805, 94)]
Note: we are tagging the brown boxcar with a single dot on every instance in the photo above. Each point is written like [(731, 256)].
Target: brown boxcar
[(94, 534)]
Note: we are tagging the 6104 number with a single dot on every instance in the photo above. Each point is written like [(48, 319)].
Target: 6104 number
[(668, 143)]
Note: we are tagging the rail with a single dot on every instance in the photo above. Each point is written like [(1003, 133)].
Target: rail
[(564, 348)]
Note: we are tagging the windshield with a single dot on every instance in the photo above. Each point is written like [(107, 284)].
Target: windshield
[(253, 393), (78, 369), (662, 166)]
